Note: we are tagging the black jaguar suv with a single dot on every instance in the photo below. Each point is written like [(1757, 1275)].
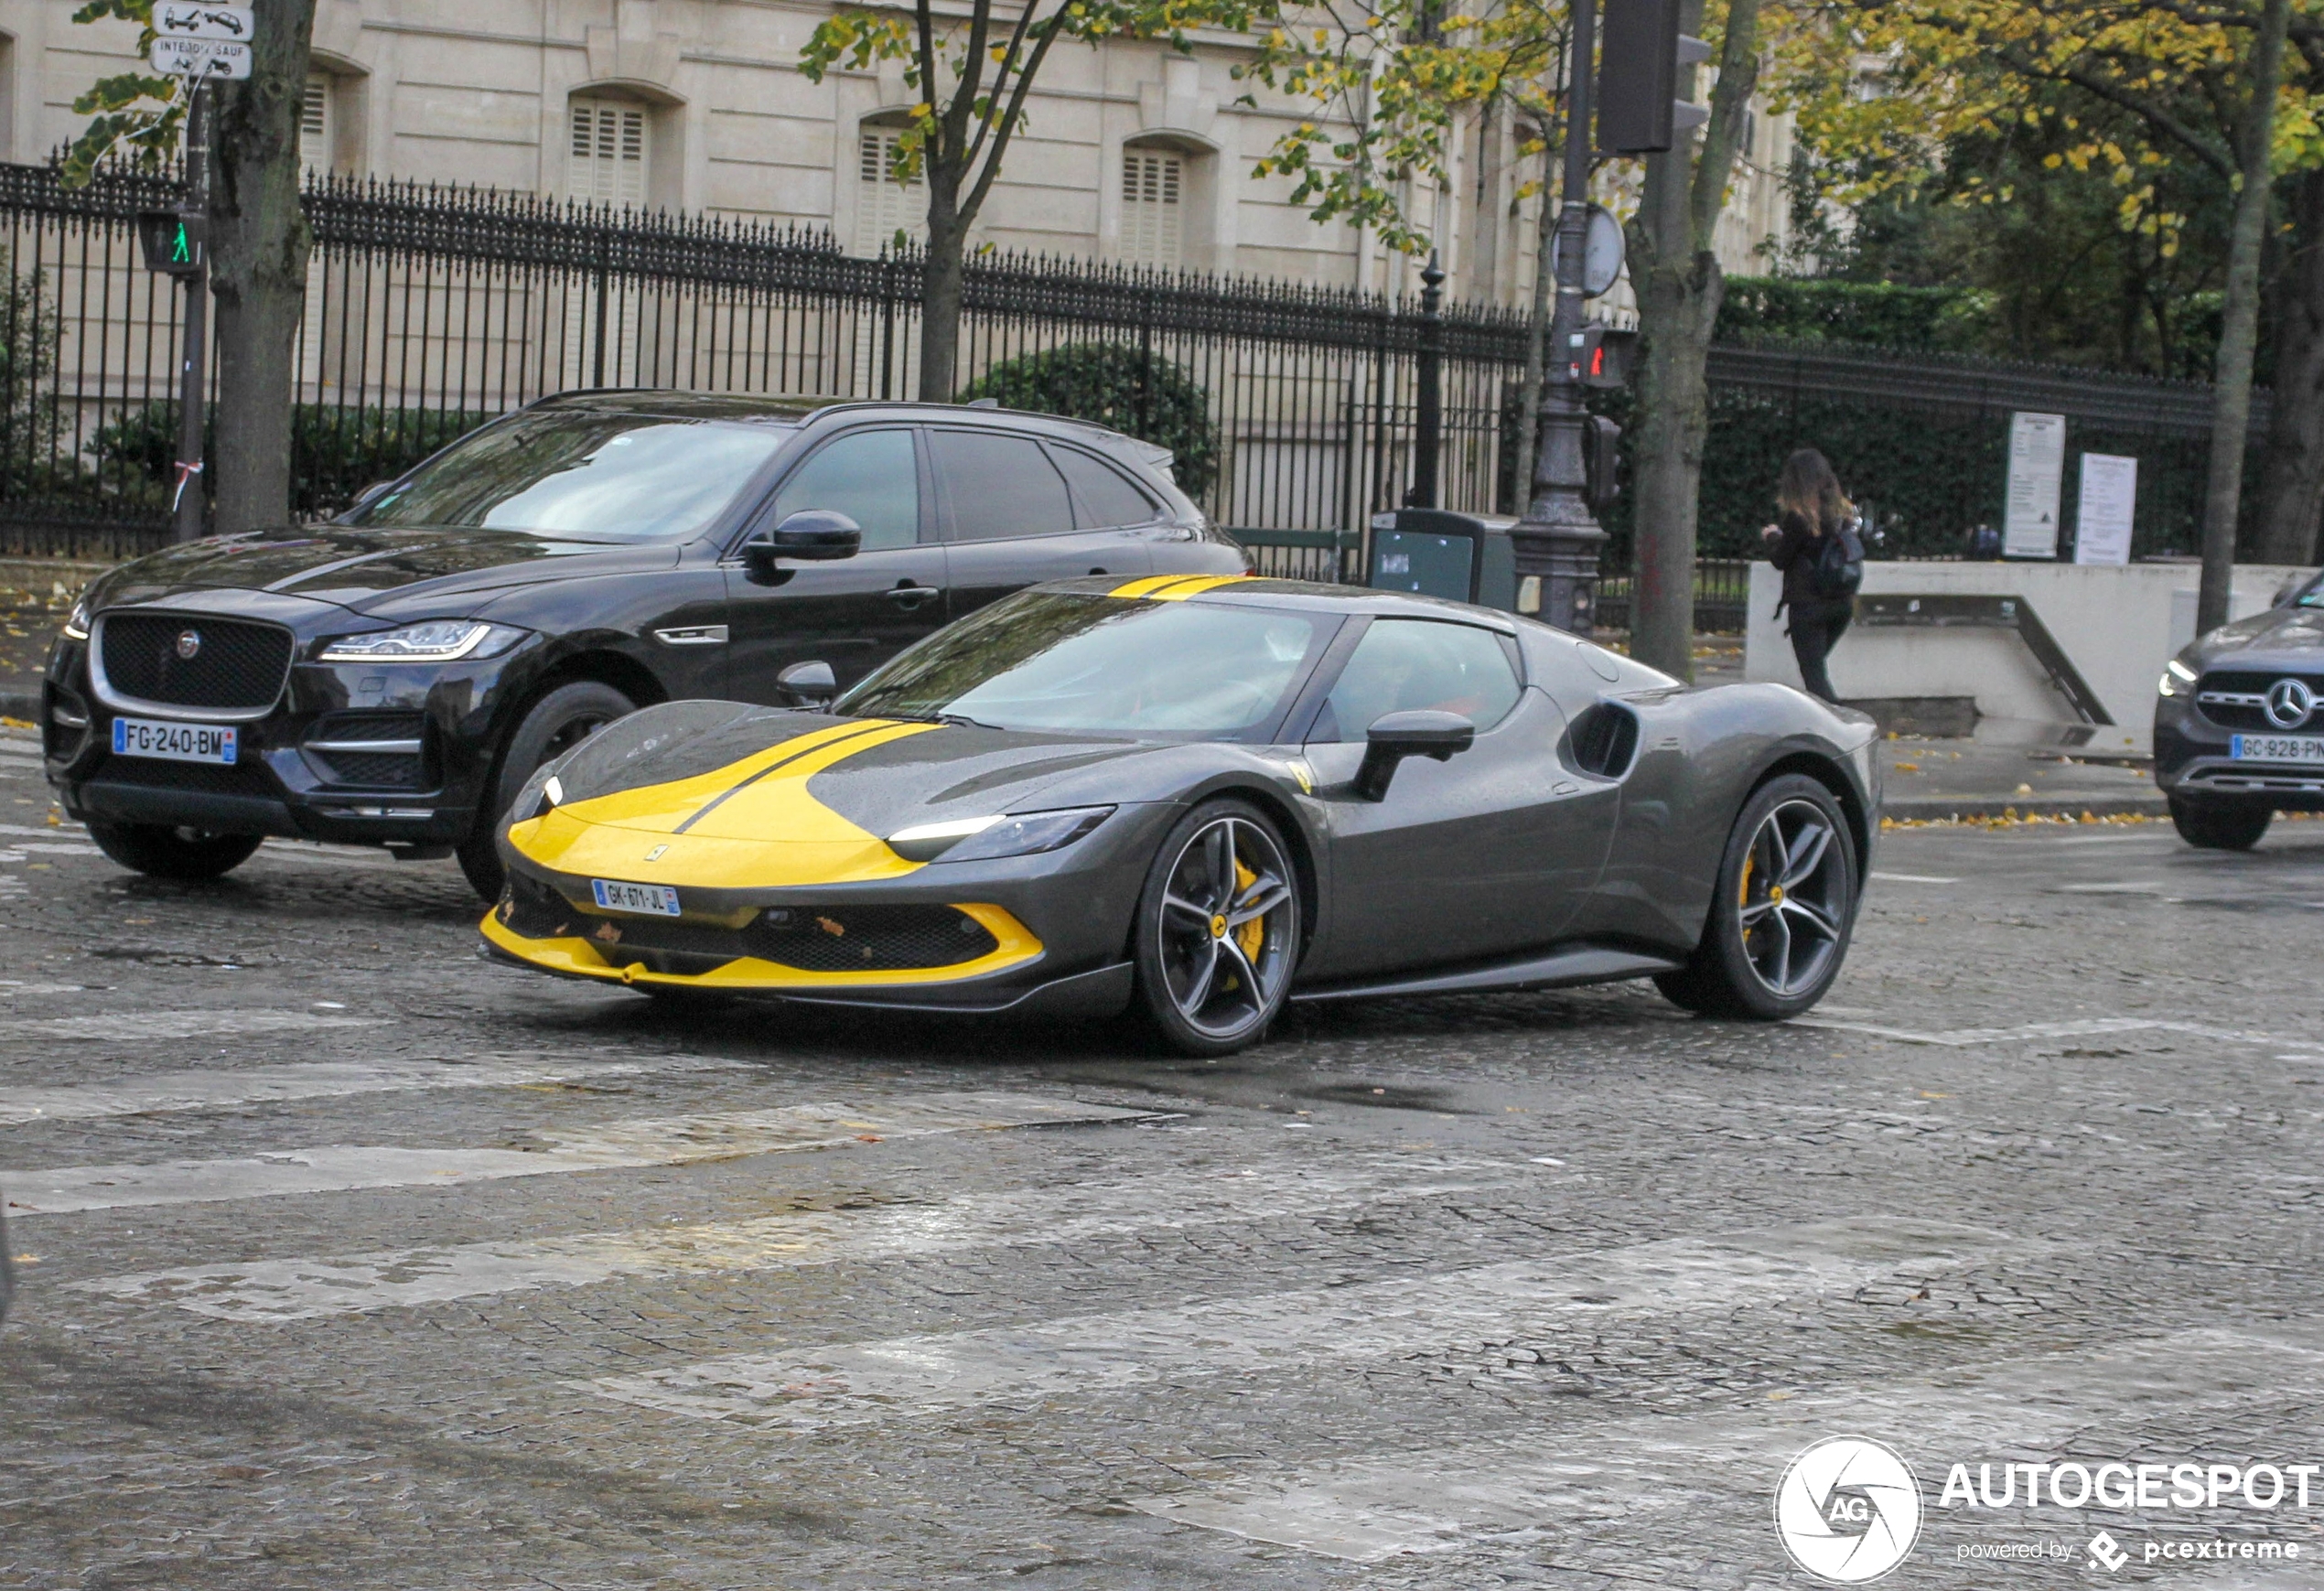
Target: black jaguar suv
[(394, 677), (2239, 723)]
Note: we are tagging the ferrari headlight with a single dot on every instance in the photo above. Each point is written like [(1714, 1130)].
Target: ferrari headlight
[(2176, 678), (987, 839), (76, 621), (437, 640)]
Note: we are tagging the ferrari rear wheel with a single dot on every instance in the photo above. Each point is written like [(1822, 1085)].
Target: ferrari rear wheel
[(1782, 910), (165, 852), (1218, 929)]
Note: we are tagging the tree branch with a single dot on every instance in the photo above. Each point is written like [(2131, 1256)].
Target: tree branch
[(1007, 127)]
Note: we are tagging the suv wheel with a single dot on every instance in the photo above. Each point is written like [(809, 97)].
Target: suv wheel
[(2220, 825), (556, 724), (166, 852)]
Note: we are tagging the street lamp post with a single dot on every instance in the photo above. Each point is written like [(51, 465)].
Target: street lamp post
[(1558, 542)]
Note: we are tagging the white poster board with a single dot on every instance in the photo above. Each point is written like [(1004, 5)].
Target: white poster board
[(2102, 520), (2036, 476)]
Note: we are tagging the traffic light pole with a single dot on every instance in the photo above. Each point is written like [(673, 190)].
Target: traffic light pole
[(1558, 542), (188, 502)]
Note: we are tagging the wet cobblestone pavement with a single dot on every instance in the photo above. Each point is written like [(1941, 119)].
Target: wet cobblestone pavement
[(352, 1261)]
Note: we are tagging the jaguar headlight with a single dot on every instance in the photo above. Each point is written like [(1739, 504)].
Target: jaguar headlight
[(988, 838), (436, 641), (76, 621), (2176, 677)]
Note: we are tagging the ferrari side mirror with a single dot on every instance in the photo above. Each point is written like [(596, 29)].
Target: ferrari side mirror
[(808, 685), (1397, 736), (811, 535)]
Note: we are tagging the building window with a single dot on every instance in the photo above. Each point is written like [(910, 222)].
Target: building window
[(7, 97), (884, 206), (1152, 231), (612, 147), (317, 125)]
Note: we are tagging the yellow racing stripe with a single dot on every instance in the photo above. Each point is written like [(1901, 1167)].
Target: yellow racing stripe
[(1176, 587), (750, 824)]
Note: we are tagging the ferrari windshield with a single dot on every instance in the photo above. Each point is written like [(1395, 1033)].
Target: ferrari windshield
[(587, 476), (1085, 663)]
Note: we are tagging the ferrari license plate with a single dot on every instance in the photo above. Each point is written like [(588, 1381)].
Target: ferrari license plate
[(174, 742), (2277, 749), (648, 899)]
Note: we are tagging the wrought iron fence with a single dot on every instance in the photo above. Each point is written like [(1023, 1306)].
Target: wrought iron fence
[(429, 311)]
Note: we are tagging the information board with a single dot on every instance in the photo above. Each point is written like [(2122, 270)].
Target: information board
[(2037, 475), (2102, 519)]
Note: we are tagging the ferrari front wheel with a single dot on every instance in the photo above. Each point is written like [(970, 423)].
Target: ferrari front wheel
[(1218, 929), (1781, 910)]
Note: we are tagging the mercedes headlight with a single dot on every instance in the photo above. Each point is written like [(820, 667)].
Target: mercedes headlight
[(2176, 677), (438, 640), (76, 621), (988, 838)]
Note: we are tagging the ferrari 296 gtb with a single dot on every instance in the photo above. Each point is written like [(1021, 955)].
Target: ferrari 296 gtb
[(1202, 797)]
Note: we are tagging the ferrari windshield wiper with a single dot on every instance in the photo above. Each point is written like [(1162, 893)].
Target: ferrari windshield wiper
[(963, 721)]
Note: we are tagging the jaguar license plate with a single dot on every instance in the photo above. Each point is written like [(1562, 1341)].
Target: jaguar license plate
[(2277, 749), (175, 742), (647, 899)]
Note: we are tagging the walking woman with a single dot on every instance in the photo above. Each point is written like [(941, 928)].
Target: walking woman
[(1813, 513)]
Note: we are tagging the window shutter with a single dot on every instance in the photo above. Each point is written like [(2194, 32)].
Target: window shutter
[(1151, 232), (610, 149), (883, 205), (314, 123)]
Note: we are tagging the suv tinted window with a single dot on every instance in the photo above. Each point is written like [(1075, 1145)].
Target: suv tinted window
[(870, 477), (1000, 486), (1403, 665), (1107, 498)]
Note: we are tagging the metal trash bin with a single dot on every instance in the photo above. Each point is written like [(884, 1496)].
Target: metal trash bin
[(1460, 557)]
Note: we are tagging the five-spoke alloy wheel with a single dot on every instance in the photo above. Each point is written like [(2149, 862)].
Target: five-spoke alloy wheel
[(1218, 929), (1784, 906)]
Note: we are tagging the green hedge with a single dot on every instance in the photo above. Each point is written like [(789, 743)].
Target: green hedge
[(1876, 312), (1116, 384), (335, 452)]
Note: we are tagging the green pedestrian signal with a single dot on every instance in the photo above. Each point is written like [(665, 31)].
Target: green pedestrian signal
[(175, 242)]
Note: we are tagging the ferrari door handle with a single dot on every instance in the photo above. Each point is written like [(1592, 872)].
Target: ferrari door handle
[(912, 596)]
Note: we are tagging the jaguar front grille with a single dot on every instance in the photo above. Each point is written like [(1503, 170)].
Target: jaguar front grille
[(192, 661)]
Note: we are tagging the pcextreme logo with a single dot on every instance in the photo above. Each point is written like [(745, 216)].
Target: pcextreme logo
[(1848, 1509)]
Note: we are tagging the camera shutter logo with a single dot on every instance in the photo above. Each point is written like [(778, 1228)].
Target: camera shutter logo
[(2289, 702), (1848, 1509), (189, 643)]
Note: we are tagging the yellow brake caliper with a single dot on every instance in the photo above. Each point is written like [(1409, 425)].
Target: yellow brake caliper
[(1252, 934)]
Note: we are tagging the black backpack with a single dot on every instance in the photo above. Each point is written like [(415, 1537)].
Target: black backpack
[(1838, 568)]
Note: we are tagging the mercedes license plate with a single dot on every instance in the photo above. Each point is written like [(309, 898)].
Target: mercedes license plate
[(174, 742), (2277, 749), (650, 899)]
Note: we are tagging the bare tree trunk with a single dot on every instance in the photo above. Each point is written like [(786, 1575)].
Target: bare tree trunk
[(940, 307), (2291, 487), (2239, 324), (1679, 287), (259, 244)]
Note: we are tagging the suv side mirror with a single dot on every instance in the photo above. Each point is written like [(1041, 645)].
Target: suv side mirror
[(1397, 736), (811, 535), (808, 685)]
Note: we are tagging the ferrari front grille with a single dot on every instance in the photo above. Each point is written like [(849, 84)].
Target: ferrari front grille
[(850, 938), (190, 659), (864, 939)]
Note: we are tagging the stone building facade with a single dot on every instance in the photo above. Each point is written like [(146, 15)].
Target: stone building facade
[(1132, 153)]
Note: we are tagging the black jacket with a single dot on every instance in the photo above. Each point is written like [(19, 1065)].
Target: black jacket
[(1794, 552)]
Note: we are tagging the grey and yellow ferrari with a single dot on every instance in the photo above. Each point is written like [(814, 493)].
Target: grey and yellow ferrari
[(1199, 798)]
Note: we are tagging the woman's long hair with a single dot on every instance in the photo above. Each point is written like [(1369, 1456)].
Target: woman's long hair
[(1809, 488)]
